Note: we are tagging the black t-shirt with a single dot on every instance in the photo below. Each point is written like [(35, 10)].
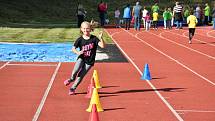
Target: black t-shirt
[(89, 46)]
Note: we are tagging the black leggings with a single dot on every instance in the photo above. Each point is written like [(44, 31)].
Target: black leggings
[(191, 33)]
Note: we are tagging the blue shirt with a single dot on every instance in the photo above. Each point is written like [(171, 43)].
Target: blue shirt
[(127, 12)]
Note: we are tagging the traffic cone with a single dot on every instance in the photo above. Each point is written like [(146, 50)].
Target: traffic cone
[(146, 74), (95, 100), (90, 88), (96, 78), (94, 114)]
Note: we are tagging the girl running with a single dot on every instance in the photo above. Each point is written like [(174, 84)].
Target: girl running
[(85, 47)]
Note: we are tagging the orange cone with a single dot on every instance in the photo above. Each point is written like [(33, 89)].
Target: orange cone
[(90, 88), (94, 114)]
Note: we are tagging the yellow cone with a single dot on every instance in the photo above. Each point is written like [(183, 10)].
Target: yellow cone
[(96, 79), (95, 100)]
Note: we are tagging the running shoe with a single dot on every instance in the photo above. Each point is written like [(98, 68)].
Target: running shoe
[(67, 82), (71, 92)]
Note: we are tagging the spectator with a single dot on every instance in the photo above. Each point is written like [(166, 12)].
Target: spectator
[(155, 8), (165, 17), (136, 12), (207, 14), (148, 21), (127, 16), (198, 14), (144, 12), (155, 20), (178, 16), (81, 14), (186, 12), (117, 17), (102, 9)]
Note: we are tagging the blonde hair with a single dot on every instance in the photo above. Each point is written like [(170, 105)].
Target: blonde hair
[(92, 24)]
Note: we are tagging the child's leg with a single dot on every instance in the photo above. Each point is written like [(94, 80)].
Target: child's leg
[(78, 65), (81, 75)]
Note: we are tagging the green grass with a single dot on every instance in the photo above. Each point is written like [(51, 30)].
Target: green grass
[(44, 35)]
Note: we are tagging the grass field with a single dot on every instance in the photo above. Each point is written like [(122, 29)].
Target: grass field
[(43, 34)]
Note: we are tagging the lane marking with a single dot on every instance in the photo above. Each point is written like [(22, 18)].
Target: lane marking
[(176, 61), (152, 86), (4, 65), (160, 35), (183, 35), (39, 109), (32, 64), (196, 111), (209, 34)]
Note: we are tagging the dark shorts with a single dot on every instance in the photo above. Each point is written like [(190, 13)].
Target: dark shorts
[(191, 31)]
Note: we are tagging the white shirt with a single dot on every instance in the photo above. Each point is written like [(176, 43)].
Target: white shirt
[(144, 12)]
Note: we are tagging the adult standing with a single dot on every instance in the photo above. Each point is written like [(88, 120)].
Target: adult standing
[(178, 15), (198, 14), (102, 9), (81, 14), (127, 16), (213, 15), (136, 12), (207, 14)]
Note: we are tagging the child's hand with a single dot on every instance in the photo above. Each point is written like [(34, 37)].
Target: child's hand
[(80, 52)]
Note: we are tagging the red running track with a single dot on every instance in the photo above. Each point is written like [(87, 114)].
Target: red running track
[(182, 87)]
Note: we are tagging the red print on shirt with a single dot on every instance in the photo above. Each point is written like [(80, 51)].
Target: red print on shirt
[(87, 49)]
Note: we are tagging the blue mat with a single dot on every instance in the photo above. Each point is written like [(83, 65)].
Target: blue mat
[(51, 52)]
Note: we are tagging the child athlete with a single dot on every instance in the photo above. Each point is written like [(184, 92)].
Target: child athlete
[(87, 45), (191, 21)]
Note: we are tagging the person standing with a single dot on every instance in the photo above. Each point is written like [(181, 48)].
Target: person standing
[(117, 18), (155, 8), (191, 21), (213, 16), (144, 12), (81, 14), (155, 20), (148, 21), (207, 14), (127, 16), (85, 47), (178, 15), (102, 9), (198, 14), (136, 12)]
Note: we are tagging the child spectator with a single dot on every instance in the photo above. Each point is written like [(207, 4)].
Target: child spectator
[(165, 18), (144, 12), (117, 18), (148, 21), (155, 20)]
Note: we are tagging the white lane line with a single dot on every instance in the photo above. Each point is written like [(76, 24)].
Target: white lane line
[(209, 34), (39, 109), (152, 86), (183, 35), (160, 35), (196, 111), (4, 65), (204, 78), (32, 64)]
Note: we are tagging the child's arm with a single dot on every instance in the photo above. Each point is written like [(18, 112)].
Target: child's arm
[(101, 42), (76, 51)]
